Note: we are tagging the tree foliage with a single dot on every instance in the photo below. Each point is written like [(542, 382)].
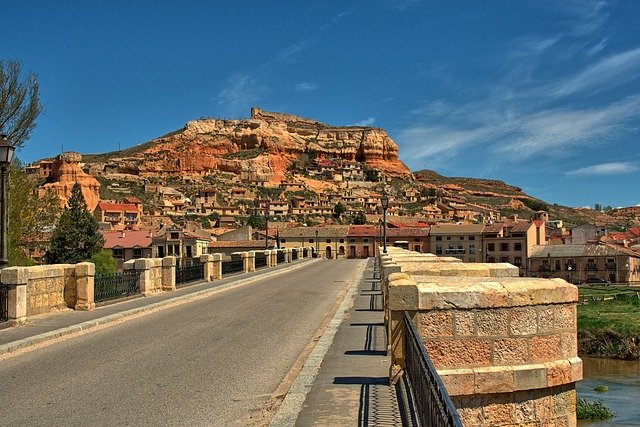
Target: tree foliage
[(76, 237), (360, 218), (104, 261), (535, 205), (370, 174), (339, 209), (255, 220), (19, 103), (30, 218)]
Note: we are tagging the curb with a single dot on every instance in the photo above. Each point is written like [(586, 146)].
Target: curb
[(90, 324)]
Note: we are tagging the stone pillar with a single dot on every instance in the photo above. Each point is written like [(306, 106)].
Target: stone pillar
[(301, 252), (16, 278), (143, 266), (274, 258), (245, 261), (169, 273), (251, 261), (207, 263), (288, 255), (216, 266), (85, 275), (267, 254)]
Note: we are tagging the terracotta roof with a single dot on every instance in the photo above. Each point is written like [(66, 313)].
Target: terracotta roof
[(116, 207), (589, 249), (127, 239), (132, 199), (441, 230), (363, 230)]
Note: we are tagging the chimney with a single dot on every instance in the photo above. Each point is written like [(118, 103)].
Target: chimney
[(122, 235)]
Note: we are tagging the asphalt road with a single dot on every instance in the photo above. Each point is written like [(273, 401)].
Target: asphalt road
[(214, 361)]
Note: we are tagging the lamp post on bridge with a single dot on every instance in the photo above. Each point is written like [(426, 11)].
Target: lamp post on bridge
[(6, 156), (317, 244), (385, 204)]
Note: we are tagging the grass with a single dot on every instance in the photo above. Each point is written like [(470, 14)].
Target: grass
[(586, 410), (609, 323)]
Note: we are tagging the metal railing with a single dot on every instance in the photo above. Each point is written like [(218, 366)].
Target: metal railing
[(113, 286), (294, 254), (280, 257), (190, 273), (431, 403), (232, 266), (260, 260), (4, 303)]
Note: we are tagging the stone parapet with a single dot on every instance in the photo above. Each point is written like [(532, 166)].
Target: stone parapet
[(504, 346), (169, 273), (85, 273), (216, 272)]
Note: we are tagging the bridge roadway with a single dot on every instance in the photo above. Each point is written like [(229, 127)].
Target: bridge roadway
[(218, 360)]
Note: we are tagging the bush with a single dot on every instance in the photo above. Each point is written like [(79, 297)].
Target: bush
[(104, 261), (586, 410)]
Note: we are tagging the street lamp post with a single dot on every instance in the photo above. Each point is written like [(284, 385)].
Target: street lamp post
[(266, 224), (385, 204), (317, 244), (569, 268), (6, 156)]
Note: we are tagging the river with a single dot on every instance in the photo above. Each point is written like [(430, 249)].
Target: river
[(623, 397)]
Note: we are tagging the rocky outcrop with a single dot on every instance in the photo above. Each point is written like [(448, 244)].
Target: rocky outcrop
[(263, 145), (65, 172)]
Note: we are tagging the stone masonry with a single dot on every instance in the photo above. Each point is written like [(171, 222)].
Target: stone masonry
[(504, 346)]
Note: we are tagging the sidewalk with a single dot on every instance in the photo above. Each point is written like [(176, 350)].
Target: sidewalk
[(352, 384)]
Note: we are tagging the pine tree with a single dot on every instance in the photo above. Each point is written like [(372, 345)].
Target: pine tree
[(76, 237)]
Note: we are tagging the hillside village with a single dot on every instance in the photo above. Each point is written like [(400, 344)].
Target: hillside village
[(257, 194)]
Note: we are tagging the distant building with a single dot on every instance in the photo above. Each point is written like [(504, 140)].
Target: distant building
[(186, 245), (461, 241), (512, 240), (129, 244), (121, 216)]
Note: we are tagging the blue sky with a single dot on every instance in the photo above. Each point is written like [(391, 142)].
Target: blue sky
[(543, 95)]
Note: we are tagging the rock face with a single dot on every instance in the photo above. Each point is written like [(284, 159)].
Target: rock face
[(65, 172), (261, 147)]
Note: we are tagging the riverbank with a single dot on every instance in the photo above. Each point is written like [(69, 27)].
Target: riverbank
[(609, 323)]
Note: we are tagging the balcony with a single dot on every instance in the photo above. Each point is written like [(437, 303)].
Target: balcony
[(610, 266), (455, 251)]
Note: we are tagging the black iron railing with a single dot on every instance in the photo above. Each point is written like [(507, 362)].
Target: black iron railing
[(431, 403), (294, 254), (280, 257), (189, 274), (113, 286), (4, 303), (260, 260), (232, 266)]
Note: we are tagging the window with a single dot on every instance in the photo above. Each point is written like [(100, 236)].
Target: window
[(417, 248), (504, 259), (557, 264), (438, 249), (328, 240), (352, 240), (517, 247), (174, 235), (448, 237), (472, 249), (504, 247), (137, 253), (517, 261), (365, 240), (417, 239), (471, 238), (188, 251), (461, 237), (310, 240), (160, 251), (117, 253), (341, 240), (283, 240), (491, 247), (438, 238)]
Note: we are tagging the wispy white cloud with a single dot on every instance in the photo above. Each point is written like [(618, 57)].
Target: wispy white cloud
[(611, 71), (305, 87), (594, 50), (366, 122), (612, 168), (240, 93)]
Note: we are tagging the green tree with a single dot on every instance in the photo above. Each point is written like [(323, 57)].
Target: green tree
[(76, 237), (371, 174), (339, 209), (255, 220), (360, 218), (30, 218), (19, 103), (104, 261)]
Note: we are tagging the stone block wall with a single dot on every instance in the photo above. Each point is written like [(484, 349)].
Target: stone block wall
[(505, 347), (50, 288)]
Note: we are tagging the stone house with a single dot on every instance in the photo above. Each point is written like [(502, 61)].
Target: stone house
[(120, 216), (512, 241), (329, 241), (129, 244), (186, 245), (577, 263), (463, 241)]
